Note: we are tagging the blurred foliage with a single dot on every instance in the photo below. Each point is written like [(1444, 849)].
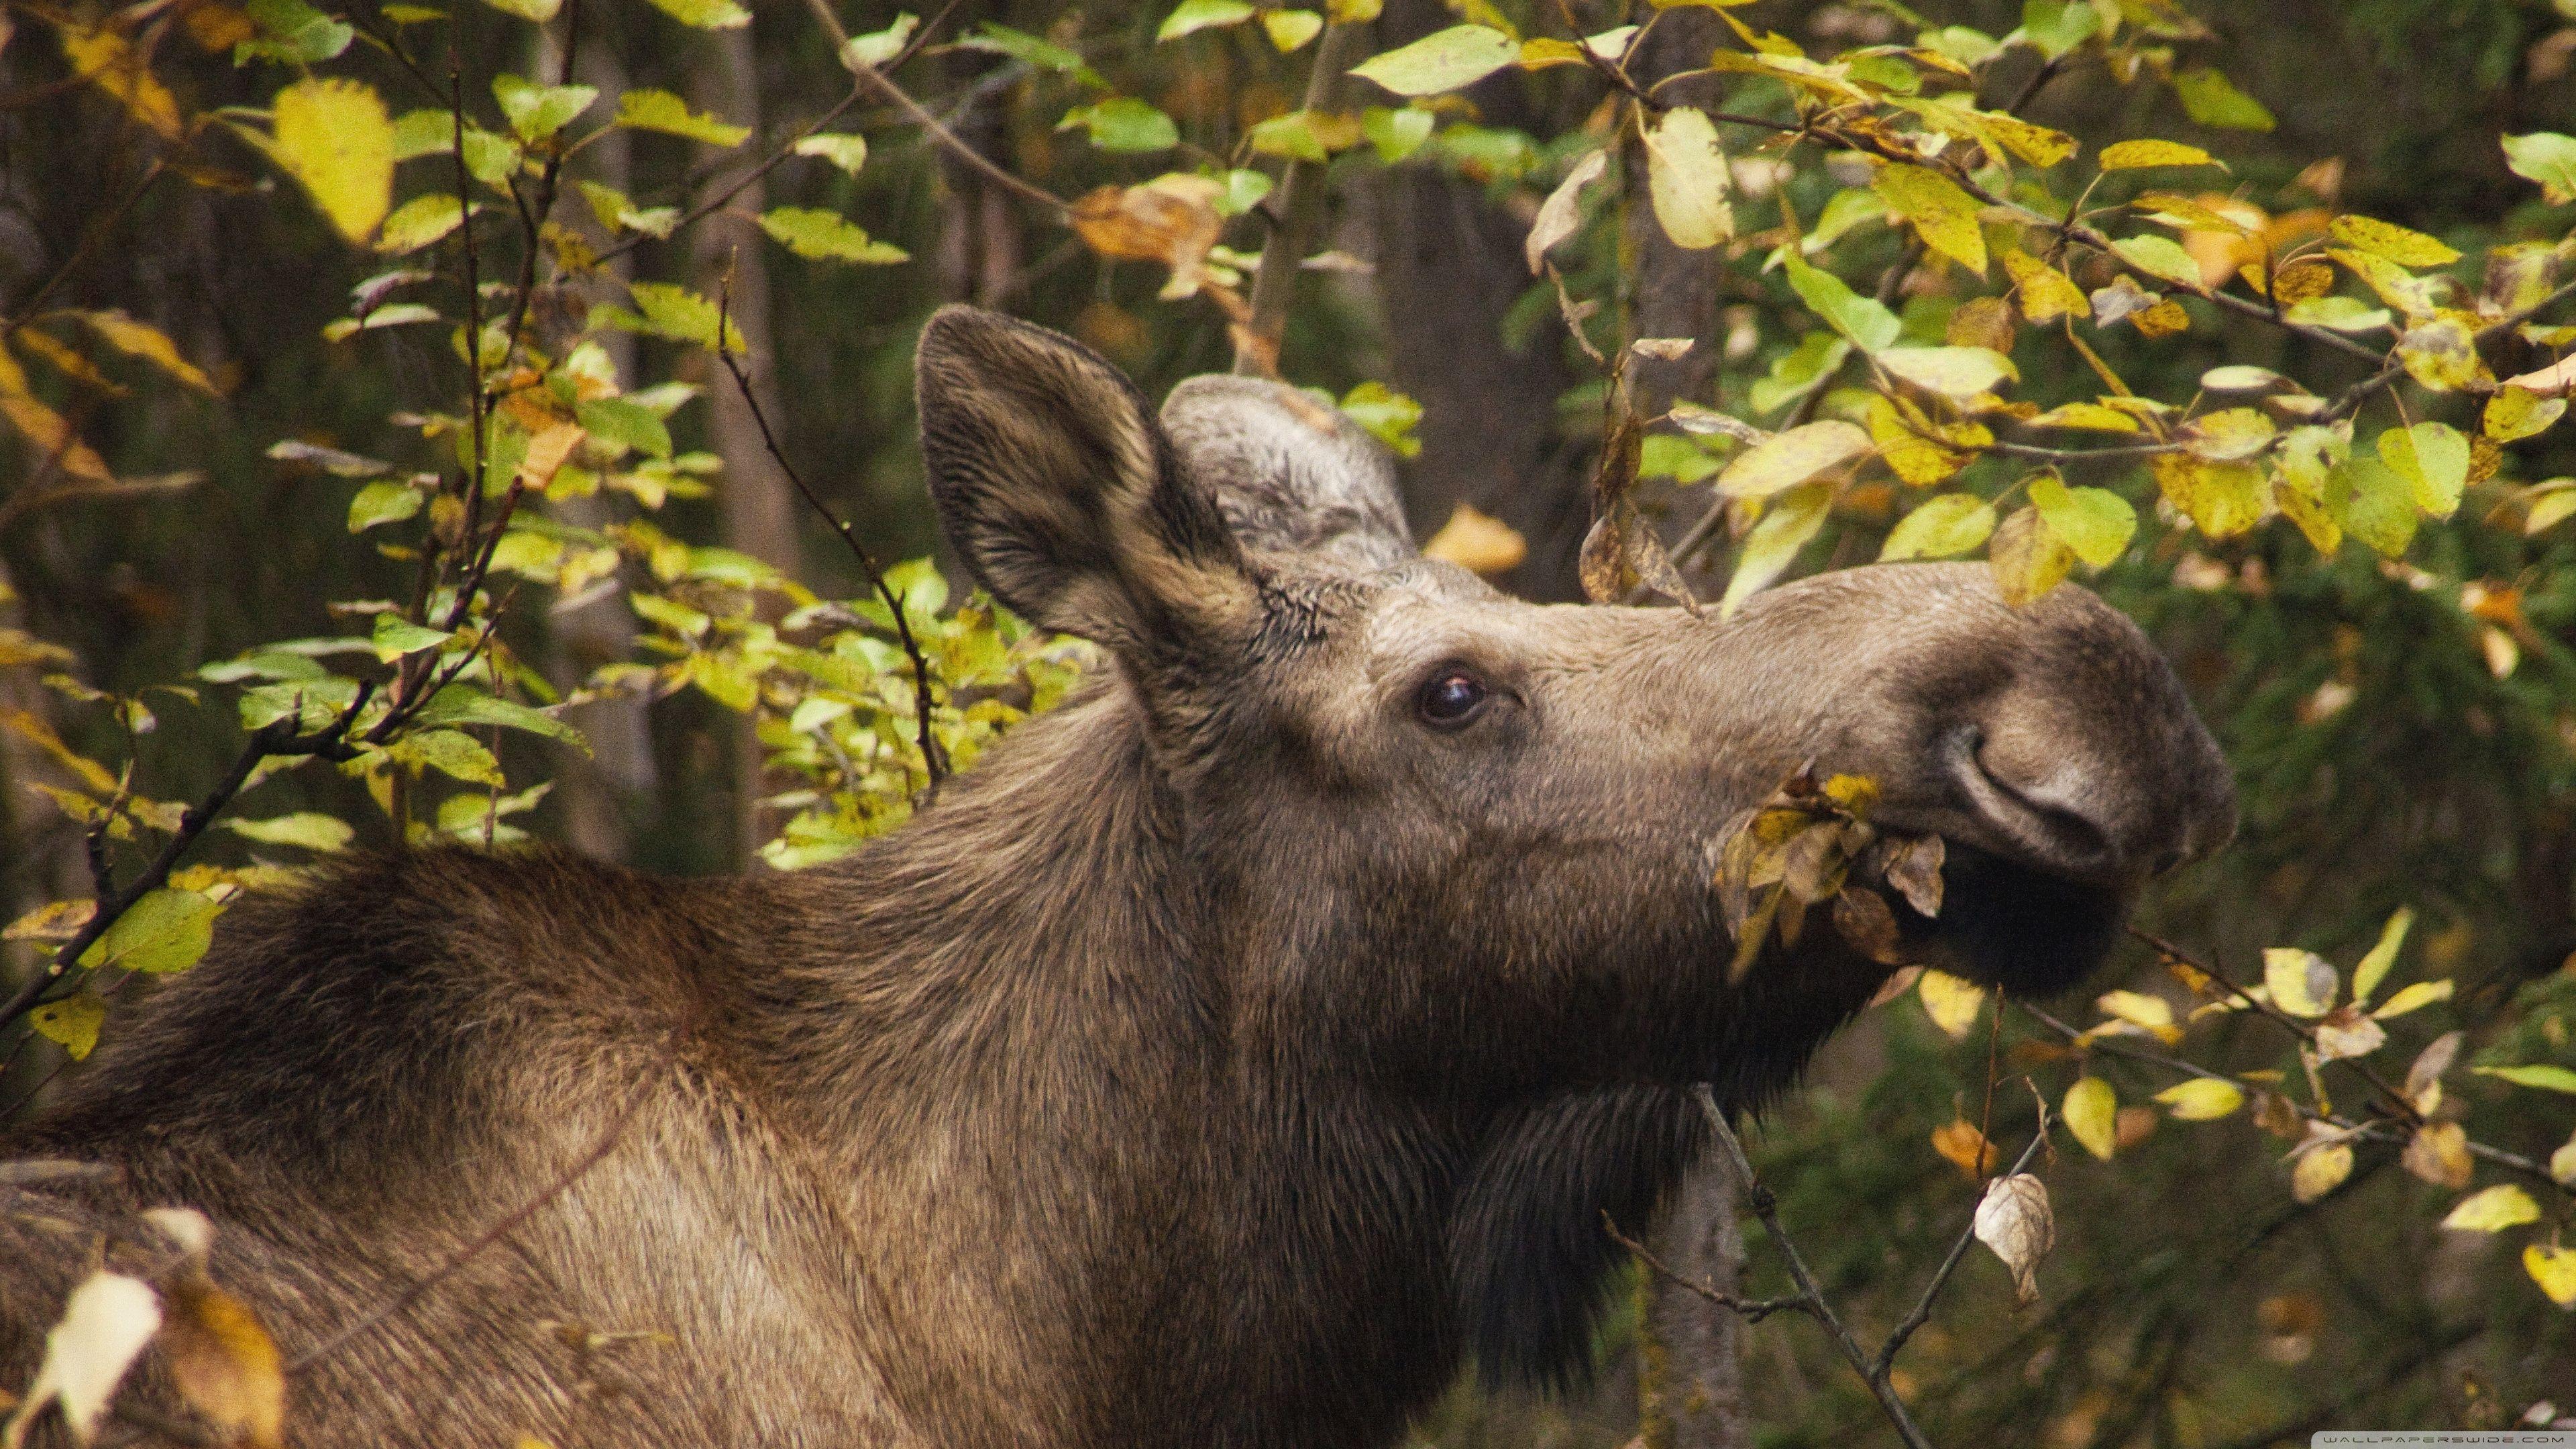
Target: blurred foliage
[(351, 357)]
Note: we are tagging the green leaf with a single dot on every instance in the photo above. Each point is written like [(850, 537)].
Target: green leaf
[(2094, 522), (306, 829), (1289, 29), (422, 133), (2543, 1076), (1191, 16), (705, 14), (453, 754), (1944, 215), (397, 636), (386, 502), (1785, 460), (1949, 371), (848, 152), (656, 110), (420, 221), (877, 47), (2211, 99), (1862, 319), (536, 112), (71, 1023), (1031, 50), (823, 236), (1291, 135), (681, 315), (2433, 459), (2054, 27), (292, 33), (1945, 524), (2340, 314), (1398, 133), (539, 11), (1460, 55), (627, 423), (1123, 123), (165, 931), (1687, 178), (2381, 511), (1388, 415), (1791, 520), (2160, 257), (334, 137), (2135, 155), (2202, 1099), (2547, 157), (460, 704)]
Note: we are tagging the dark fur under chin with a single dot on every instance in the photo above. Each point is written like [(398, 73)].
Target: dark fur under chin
[(1530, 1261)]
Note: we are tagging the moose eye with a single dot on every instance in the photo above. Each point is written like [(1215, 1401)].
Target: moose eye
[(1451, 698)]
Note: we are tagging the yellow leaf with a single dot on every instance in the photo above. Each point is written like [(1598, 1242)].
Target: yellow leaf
[(1953, 1004), (2494, 1210), (2221, 499), (1687, 178), (2046, 294), (2302, 983), (2421, 994), (2554, 1269), (1478, 542), (2202, 1099), (116, 67), (1785, 460), (335, 138), (2373, 967), (2136, 1008), (1786, 525), (1945, 216), (141, 339), (2396, 243), (2320, 1170), (2027, 558), (224, 1363), (51, 438), (2092, 1111), (2131, 155), (1965, 1148)]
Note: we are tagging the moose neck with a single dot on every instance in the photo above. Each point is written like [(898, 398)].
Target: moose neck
[(1016, 998)]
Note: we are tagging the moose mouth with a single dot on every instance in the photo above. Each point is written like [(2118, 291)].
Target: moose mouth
[(2014, 924), (2035, 902)]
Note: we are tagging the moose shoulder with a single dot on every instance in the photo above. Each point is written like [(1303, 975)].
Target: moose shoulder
[(1233, 1054)]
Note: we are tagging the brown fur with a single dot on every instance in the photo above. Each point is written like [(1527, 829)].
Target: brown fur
[(1223, 1062)]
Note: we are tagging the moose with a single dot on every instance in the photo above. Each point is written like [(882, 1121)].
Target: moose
[(1235, 1054)]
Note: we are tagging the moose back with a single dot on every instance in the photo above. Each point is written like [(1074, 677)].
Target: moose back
[(1236, 1052)]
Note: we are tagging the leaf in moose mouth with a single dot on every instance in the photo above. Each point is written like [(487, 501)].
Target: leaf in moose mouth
[(1811, 844)]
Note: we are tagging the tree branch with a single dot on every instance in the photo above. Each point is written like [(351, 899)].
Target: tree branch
[(1274, 285), (934, 764)]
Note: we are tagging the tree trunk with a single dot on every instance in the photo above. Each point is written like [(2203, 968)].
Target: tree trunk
[(759, 506), (606, 791)]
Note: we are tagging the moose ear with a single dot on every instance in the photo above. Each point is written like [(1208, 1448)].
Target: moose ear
[(1062, 492), (1291, 475)]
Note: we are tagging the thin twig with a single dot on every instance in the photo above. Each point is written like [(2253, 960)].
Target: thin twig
[(1885, 1365), (466, 1253), (1753, 1310), (920, 116), (933, 762), (1767, 1208)]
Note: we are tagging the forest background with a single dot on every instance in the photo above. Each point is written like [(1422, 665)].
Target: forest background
[(488, 420)]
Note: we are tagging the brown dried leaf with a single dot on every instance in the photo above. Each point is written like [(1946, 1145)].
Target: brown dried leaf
[(2345, 1032), (2439, 1154), (1862, 918), (1914, 868), (1965, 1148), (2014, 1220)]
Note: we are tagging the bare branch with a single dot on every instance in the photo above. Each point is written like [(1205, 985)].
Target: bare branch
[(933, 762), (1297, 206)]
